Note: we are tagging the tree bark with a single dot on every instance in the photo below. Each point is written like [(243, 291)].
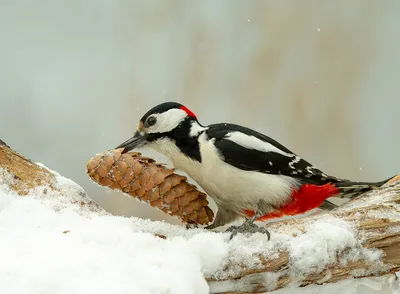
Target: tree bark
[(25, 174), (374, 215)]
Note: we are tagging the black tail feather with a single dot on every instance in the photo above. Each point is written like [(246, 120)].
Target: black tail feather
[(327, 205), (350, 189)]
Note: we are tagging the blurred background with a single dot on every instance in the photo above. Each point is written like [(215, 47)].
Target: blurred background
[(321, 77)]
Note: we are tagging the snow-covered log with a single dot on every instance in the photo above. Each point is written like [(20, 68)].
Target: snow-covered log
[(359, 239), (23, 176)]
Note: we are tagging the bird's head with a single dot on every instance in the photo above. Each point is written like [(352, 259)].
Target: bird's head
[(169, 121)]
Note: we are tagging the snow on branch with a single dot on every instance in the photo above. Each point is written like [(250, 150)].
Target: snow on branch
[(359, 239)]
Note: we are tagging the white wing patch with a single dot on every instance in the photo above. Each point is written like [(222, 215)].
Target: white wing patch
[(167, 121), (309, 169), (252, 142), (294, 161)]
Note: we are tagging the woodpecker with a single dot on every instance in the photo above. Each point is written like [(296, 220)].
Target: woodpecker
[(248, 174)]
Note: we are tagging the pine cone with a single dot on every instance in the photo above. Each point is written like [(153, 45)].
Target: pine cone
[(150, 182)]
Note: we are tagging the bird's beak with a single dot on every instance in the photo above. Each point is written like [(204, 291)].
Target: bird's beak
[(136, 141)]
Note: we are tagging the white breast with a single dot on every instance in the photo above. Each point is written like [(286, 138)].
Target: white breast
[(229, 186)]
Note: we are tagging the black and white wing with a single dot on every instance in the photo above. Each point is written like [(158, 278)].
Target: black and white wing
[(249, 150)]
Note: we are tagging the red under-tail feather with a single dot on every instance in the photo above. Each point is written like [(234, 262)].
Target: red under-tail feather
[(306, 198)]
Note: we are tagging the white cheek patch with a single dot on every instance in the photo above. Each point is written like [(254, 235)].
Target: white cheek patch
[(167, 121), (252, 142)]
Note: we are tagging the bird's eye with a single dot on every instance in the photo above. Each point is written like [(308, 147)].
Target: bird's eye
[(151, 121)]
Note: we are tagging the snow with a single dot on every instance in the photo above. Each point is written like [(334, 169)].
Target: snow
[(329, 236), (50, 245), (62, 242)]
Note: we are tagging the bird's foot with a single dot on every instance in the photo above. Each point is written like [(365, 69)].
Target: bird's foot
[(248, 227), (191, 226)]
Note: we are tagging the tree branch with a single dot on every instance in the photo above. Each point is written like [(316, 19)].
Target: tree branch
[(374, 218)]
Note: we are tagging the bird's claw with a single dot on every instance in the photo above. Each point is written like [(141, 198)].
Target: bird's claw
[(247, 227), (191, 226)]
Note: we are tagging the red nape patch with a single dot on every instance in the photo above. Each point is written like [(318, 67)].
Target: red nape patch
[(188, 111), (306, 198)]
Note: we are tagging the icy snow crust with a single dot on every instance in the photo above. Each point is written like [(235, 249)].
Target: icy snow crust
[(51, 243)]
